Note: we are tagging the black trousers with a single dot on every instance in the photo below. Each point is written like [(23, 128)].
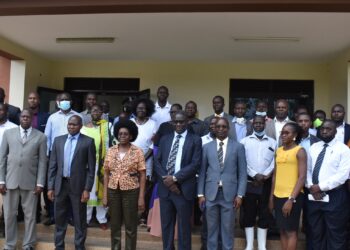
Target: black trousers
[(256, 206), (63, 202), (328, 220)]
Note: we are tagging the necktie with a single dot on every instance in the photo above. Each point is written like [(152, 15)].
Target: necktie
[(25, 136), (67, 157), (318, 164), (172, 156), (221, 155)]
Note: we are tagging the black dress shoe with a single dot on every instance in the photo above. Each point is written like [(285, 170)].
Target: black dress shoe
[(49, 222)]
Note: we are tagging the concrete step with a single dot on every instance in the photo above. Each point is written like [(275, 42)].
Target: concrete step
[(98, 239)]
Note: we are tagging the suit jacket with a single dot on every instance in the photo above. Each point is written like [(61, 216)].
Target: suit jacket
[(190, 163), (82, 167), (42, 120), (233, 134), (23, 165), (314, 139), (233, 175), (13, 114), (207, 119)]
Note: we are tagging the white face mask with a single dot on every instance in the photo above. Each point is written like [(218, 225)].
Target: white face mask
[(260, 113), (262, 133), (64, 105)]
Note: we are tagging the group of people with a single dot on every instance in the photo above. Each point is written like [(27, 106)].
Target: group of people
[(157, 164)]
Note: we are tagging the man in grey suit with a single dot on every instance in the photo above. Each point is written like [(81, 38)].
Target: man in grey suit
[(70, 180), (222, 184), (22, 176), (218, 106)]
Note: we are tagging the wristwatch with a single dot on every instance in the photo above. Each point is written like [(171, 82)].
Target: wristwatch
[(174, 178), (292, 199)]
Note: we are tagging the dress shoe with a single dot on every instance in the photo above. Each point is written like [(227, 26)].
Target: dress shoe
[(49, 222), (104, 226), (29, 248)]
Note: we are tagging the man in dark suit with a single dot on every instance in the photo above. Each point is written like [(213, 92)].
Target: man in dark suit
[(222, 185), (176, 165), (39, 120), (70, 180), (13, 112), (218, 106)]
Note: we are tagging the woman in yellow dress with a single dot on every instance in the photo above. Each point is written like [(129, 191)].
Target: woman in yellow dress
[(99, 130), (288, 180)]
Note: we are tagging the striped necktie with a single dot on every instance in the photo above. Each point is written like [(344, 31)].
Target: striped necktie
[(172, 156), (25, 136), (318, 164), (221, 154)]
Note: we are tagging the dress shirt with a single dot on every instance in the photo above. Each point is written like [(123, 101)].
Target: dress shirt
[(306, 143), (74, 144), (21, 130), (206, 139), (5, 126), (335, 167), (260, 154), (86, 115), (179, 151), (224, 147), (161, 114), (57, 126), (340, 133), (241, 129), (278, 126), (219, 115)]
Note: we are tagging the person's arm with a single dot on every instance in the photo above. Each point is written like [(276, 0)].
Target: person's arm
[(271, 205), (142, 180), (302, 166), (4, 150), (242, 171), (48, 134), (42, 165), (158, 169), (90, 177), (52, 172)]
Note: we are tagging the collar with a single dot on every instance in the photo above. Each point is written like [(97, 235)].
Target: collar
[(221, 114), (224, 141), (265, 137), (284, 121), (183, 135), (22, 129), (167, 105), (235, 119), (306, 138), (61, 112), (76, 136), (342, 125), (331, 143)]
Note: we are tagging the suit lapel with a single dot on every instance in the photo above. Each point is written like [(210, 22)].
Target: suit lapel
[(214, 148), (185, 146), (18, 135), (31, 136), (79, 142), (229, 150)]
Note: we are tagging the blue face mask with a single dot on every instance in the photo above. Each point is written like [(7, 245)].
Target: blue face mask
[(262, 133), (64, 105), (260, 113)]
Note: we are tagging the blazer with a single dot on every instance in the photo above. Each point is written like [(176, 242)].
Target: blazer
[(207, 119), (233, 175), (82, 169), (190, 163), (232, 132), (314, 139), (13, 114), (42, 120), (23, 165)]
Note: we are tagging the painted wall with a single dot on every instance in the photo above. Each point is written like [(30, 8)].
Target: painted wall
[(195, 80), (37, 70)]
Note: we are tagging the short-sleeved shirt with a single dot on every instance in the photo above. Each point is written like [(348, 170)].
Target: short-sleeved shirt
[(124, 172)]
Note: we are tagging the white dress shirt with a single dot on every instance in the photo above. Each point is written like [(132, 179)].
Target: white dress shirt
[(335, 167), (206, 139), (260, 154), (21, 130), (57, 125), (161, 114), (3, 127), (179, 151), (278, 126), (340, 133)]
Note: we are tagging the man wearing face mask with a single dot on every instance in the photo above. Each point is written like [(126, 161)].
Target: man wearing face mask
[(261, 110), (328, 202), (260, 153), (57, 126)]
